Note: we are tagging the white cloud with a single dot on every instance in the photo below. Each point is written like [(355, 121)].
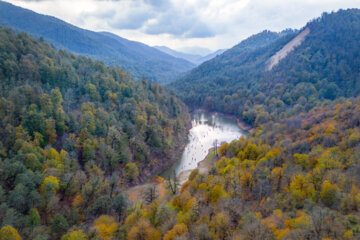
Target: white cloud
[(178, 24)]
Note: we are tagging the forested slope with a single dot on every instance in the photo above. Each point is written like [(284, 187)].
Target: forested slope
[(296, 175), (325, 66), (73, 133), (292, 179), (141, 60)]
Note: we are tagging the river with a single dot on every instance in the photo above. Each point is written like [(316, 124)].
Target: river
[(206, 129)]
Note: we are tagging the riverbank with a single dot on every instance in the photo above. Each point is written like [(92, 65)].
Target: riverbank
[(203, 166), (178, 149), (137, 193), (241, 124)]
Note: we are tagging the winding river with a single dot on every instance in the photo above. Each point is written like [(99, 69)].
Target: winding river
[(207, 129)]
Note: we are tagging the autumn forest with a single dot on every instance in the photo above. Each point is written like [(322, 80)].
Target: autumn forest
[(79, 138)]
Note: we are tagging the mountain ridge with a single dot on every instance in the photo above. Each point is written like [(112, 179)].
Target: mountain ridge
[(149, 62), (237, 81)]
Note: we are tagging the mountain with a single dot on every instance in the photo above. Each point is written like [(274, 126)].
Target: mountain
[(296, 173), (210, 56), (193, 58), (74, 131), (301, 68), (189, 57), (140, 59)]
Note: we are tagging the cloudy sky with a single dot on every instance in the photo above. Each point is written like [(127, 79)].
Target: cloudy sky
[(185, 24)]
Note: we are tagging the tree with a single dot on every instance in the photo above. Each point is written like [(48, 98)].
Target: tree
[(177, 231), (172, 183), (59, 225), (215, 146), (329, 193), (49, 186), (143, 231), (119, 204), (105, 227), (34, 217), (74, 235), (9, 233), (221, 225), (131, 172), (150, 194)]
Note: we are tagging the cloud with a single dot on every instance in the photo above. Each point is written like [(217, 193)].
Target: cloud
[(180, 23), (177, 24)]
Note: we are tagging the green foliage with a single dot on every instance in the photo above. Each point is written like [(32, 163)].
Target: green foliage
[(74, 235), (238, 82), (67, 124)]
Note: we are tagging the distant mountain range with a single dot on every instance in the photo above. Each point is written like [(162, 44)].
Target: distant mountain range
[(138, 58), (193, 58)]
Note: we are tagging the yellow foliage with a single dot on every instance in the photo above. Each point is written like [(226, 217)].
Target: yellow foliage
[(74, 235), (258, 215), (132, 219), (301, 221), (222, 149), (216, 193), (302, 160), (281, 233), (9, 233), (144, 231), (327, 159), (270, 223), (177, 231), (50, 183), (203, 187), (348, 235), (278, 214), (221, 223), (105, 226), (301, 188), (269, 155), (179, 202), (183, 217)]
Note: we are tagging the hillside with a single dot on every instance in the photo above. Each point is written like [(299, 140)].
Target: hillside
[(324, 66), (74, 133), (219, 76), (140, 59), (296, 175)]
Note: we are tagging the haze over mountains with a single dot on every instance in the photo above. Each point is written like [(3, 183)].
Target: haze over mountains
[(193, 58), (138, 58)]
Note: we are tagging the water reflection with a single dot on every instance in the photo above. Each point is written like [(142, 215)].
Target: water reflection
[(207, 129)]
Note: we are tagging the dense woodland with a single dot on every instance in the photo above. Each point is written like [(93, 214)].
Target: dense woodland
[(293, 179), (324, 67), (296, 175), (73, 134)]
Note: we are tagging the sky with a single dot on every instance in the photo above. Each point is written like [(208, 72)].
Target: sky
[(195, 26)]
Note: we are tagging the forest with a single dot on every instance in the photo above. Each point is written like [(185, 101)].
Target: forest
[(324, 67), (73, 134), (76, 134)]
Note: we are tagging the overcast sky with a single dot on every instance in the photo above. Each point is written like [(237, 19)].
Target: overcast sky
[(181, 24)]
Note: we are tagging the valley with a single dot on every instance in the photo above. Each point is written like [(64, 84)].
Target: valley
[(259, 141), (208, 130)]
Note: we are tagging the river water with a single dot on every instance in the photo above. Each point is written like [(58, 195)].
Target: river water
[(206, 129)]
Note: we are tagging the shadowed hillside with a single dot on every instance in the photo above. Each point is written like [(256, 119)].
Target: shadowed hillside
[(140, 59)]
